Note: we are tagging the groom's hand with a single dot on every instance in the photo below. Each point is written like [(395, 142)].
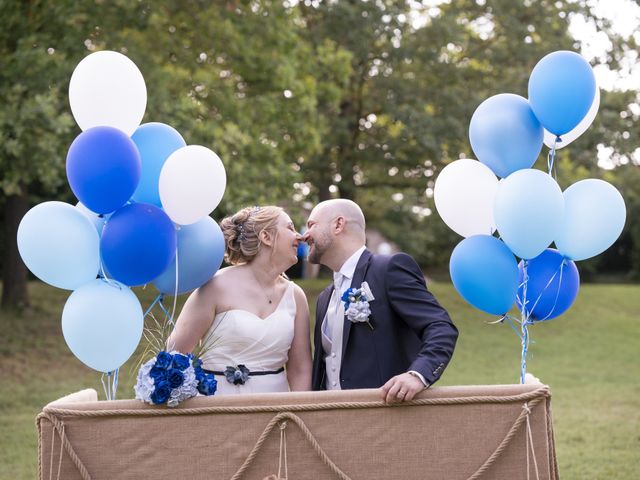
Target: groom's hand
[(401, 388)]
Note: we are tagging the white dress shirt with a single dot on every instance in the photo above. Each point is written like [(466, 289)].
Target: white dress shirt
[(333, 322)]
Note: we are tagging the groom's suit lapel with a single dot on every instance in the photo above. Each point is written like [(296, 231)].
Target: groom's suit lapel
[(358, 278), (323, 304)]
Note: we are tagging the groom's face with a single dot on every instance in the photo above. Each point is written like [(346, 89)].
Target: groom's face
[(318, 236)]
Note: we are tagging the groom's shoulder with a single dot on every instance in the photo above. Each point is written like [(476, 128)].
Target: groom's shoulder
[(392, 260)]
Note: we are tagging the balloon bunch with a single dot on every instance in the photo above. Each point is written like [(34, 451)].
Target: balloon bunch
[(526, 207), (143, 214)]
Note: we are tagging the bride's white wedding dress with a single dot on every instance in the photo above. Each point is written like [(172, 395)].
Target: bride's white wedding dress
[(238, 337)]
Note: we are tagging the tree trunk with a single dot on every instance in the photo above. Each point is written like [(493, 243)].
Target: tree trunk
[(14, 275)]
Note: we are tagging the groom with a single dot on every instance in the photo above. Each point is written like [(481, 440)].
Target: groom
[(403, 342)]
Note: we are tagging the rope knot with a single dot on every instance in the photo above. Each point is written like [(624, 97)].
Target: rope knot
[(526, 408), (283, 425)]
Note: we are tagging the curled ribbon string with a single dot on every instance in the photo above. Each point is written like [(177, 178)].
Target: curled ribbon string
[(110, 387), (552, 155)]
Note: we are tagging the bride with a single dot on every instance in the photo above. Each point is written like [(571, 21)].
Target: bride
[(252, 321)]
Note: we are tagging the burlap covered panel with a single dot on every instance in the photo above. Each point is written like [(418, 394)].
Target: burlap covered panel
[(410, 442)]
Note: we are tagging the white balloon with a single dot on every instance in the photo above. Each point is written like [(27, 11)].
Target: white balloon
[(464, 194), (567, 138), (107, 89), (192, 183)]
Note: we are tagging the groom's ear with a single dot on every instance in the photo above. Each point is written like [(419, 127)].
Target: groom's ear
[(340, 223)]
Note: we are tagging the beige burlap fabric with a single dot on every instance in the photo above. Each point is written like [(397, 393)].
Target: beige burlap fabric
[(489, 432)]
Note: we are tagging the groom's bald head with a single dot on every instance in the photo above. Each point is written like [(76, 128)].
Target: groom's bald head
[(342, 208), (336, 229)]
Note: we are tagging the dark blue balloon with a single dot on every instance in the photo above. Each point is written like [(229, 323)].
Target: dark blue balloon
[(562, 87), (505, 135), (200, 253), (552, 285), (103, 168), (485, 273), (138, 243)]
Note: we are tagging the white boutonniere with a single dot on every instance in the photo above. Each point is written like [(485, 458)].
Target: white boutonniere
[(356, 304)]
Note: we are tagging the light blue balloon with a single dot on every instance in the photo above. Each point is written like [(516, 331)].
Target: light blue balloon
[(59, 245), (594, 217), (200, 254), (155, 141), (98, 220), (102, 324), (528, 211), (485, 273), (562, 87), (505, 134)]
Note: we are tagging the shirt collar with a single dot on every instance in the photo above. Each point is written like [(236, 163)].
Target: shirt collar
[(348, 268)]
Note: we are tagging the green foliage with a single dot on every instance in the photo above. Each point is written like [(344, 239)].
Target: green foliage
[(304, 100)]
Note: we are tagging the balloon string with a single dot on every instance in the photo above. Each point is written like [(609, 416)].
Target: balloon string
[(555, 301), (175, 292), (524, 324), (552, 157), (103, 276), (157, 299)]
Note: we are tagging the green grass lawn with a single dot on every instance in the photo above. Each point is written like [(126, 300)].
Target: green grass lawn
[(589, 357)]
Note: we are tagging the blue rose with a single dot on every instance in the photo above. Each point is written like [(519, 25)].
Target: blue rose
[(208, 385), (157, 374), (175, 377), (163, 360), (181, 362), (161, 393), (199, 373)]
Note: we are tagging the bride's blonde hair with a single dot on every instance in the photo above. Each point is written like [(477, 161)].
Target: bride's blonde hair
[(242, 232)]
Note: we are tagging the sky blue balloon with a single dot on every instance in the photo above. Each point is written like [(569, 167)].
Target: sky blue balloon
[(485, 273), (97, 219), (155, 142), (59, 245), (138, 243), (562, 87), (594, 217), (505, 134), (103, 168), (200, 254), (102, 324), (528, 211), (552, 285)]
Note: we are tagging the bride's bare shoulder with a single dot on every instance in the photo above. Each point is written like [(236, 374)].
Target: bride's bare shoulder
[(224, 279)]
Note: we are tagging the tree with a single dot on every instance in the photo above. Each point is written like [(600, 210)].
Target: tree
[(39, 44)]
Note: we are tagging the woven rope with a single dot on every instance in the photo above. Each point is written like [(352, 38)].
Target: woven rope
[(308, 435), (160, 411), (58, 426), (524, 414), (284, 411)]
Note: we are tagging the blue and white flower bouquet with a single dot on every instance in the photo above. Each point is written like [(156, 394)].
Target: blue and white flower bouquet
[(172, 377)]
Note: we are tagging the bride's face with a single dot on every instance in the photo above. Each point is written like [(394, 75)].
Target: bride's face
[(285, 249)]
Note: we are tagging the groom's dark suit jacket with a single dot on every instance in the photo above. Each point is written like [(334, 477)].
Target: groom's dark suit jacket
[(411, 331)]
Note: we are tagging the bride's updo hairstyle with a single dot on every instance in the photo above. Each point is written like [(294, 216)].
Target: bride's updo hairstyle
[(242, 232)]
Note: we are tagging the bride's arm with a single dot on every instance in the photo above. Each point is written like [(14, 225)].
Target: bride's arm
[(299, 364), (194, 320)]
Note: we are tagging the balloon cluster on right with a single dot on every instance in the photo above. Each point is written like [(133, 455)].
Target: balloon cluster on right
[(506, 209)]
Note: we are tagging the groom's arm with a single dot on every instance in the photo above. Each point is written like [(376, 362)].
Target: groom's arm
[(417, 307)]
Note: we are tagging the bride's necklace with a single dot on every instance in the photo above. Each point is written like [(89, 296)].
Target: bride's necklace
[(264, 290)]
